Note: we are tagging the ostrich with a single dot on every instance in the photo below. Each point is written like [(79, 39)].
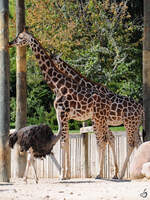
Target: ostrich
[(38, 140)]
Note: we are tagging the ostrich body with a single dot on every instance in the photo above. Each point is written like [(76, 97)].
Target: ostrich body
[(38, 140)]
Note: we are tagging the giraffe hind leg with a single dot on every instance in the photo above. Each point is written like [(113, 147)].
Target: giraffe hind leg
[(101, 138), (130, 150), (111, 141), (133, 140)]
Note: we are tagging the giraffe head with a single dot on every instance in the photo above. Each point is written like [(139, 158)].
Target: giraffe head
[(23, 38)]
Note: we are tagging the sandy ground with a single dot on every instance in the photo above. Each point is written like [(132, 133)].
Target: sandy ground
[(75, 189)]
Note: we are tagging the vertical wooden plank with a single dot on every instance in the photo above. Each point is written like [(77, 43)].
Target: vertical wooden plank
[(92, 158), (85, 144), (73, 157), (21, 105), (80, 169), (4, 92), (78, 158)]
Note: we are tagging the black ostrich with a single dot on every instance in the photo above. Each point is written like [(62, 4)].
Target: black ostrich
[(38, 140)]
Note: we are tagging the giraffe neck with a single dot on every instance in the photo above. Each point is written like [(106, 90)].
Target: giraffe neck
[(54, 78)]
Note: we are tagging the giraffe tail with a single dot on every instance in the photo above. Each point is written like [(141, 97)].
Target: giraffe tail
[(142, 124), (143, 134)]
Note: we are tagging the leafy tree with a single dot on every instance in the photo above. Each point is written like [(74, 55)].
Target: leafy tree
[(96, 37)]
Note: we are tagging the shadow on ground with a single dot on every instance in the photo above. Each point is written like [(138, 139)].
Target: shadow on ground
[(74, 181)]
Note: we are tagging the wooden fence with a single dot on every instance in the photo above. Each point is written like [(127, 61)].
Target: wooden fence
[(84, 157)]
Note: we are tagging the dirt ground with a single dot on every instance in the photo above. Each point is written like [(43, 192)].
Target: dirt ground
[(75, 189)]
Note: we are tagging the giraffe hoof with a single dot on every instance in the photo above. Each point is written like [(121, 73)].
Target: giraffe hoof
[(68, 176), (37, 181), (115, 177), (25, 180), (98, 177), (64, 178)]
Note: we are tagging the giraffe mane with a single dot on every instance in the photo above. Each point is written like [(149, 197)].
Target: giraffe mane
[(82, 76)]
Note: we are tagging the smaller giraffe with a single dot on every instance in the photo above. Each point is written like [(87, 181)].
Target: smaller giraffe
[(73, 101)]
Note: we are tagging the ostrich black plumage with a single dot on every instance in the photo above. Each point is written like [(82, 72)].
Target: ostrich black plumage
[(37, 139)]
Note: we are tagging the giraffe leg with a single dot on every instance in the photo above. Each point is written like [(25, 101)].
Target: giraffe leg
[(133, 140), (130, 150), (111, 140), (101, 136), (65, 172), (102, 148), (64, 131)]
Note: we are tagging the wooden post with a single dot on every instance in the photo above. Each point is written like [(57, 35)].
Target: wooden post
[(146, 69), (4, 93), (21, 105), (85, 144)]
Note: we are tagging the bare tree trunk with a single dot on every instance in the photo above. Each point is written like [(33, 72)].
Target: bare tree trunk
[(4, 93), (146, 68), (21, 105)]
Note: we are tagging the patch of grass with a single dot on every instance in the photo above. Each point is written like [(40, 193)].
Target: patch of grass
[(112, 128), (117, 128), (70, 131)]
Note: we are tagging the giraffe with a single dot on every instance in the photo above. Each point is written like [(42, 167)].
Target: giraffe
[(73, 101), (123, 110)]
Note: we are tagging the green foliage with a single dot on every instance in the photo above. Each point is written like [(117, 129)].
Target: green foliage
[(12, 110), (98, 38)]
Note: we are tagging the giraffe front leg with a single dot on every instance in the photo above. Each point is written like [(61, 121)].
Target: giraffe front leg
[(64, 131), (65, 172), (101, 148)]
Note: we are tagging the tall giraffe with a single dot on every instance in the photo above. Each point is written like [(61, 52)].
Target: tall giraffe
[(73, 101), (123, 110)]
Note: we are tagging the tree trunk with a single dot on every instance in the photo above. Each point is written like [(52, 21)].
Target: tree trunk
[(146, 69), (4, 93), (21, 105)]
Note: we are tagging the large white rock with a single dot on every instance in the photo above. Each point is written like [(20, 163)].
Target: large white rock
[(146, 170), (139, 167)]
